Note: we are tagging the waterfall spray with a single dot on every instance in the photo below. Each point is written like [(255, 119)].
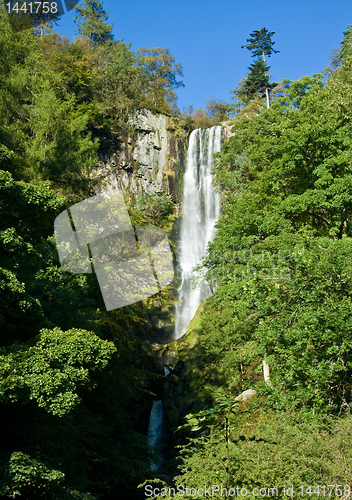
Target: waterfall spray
[(200, 210)]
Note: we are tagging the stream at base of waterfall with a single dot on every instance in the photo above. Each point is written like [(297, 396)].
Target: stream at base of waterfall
[(155, 430), (200, 211)]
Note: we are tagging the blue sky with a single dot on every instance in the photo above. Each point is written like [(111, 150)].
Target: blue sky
[(206, 37)]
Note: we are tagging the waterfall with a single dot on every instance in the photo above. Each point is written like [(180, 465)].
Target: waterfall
[(155, 430), (200, 210)]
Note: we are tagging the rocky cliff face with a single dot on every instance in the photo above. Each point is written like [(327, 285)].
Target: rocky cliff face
[(147, 160)]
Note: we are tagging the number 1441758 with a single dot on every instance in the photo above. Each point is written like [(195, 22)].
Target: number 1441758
[(32, 7), (328, 490)]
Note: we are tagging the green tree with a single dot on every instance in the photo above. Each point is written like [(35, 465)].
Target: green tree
[(121, 82), (218, 111), (91, 22), (257, 81), (60, 363), (63, 360), (261, 45), (345, 49), (44, 23), (286, 176), (261, 451), (162, 72), (76, 63), (39, 120)]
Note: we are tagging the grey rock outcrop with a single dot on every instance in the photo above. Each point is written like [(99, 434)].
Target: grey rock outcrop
[(147, 160), (245, 395)]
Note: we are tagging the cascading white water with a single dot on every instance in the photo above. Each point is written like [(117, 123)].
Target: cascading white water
[(200, 210)]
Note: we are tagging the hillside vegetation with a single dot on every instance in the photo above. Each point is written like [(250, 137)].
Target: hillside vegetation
[(76, 381), (281, 266)]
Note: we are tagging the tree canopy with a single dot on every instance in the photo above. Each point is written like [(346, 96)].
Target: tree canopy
[(280, 265), (91, 22), (162, 71), (76, 382), (260, 45)]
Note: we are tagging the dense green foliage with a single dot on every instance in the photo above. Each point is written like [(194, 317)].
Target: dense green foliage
[(40, 122), (256, 83), (260, 43), (162, 71), (214, 113), (280, 265), (253, 452), (76, 382), (65, 365)]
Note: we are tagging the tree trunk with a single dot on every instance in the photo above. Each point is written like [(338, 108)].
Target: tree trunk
[(267, 98), (266, 90), (266, 372), (266, 369)]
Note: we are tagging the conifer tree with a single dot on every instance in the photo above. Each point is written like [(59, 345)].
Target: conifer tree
[(91, 22), (346, 44), (257, 81), (261, 44)]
